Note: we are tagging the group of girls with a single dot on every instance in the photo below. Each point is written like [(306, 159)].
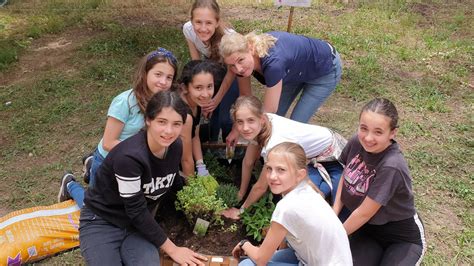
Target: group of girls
[(132, 168), (374, 199)]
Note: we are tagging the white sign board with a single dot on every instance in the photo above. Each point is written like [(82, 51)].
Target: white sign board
[(300, 3)]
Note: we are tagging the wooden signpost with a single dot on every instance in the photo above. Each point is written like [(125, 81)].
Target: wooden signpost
[(292, 4)]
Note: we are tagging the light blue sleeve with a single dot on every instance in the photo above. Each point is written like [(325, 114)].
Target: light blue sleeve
[(120, 108)]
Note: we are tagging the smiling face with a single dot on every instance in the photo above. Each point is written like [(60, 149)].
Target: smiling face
[(205, 23), (241, 64), (374, 132), (201, 88), (164, 129), (282, 177), (248, 123), (160, 77)]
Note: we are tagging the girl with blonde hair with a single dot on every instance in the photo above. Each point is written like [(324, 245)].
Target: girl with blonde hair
[(322, 147), (288, 65), (314, 234)]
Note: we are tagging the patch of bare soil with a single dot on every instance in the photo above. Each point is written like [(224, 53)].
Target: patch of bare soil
[(219, 240), (44, 54)]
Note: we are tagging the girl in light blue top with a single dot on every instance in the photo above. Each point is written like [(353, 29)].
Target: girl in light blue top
[(156, 72)]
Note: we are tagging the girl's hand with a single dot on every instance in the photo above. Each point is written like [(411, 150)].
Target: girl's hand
[(237, 251), (210, 106), (231, 213), (232, 138), (185, 256)]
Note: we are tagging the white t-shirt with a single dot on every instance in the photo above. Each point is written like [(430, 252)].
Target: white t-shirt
[(314, 231), (191, 35), (314, 139)]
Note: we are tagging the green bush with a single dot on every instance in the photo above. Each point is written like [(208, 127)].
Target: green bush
[(228, 194), (257, 217), (216, 169), (209, 183), (197, 200)]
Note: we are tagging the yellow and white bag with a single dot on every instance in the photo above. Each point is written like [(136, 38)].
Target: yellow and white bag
[(32, 234)]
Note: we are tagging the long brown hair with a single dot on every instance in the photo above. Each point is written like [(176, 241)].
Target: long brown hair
[(256, 107), (140, 87), (220, 30)]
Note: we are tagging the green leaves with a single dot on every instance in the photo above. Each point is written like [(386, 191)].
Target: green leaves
[(257, 217), (198, 200), (228, 194)]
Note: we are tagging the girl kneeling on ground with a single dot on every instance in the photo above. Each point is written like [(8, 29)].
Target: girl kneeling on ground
[(314, 234), (117, 225), (196, 89), (265, 130), (156, 71), (376, 188), (288, 65)]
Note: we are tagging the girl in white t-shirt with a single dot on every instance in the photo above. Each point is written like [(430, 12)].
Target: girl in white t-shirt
[(265, 130), (203, 34), (314, 235)]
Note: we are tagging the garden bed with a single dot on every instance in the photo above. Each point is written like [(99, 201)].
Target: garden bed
[(223, 234)]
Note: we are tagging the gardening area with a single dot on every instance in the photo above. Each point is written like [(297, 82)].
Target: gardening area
[(63, 61)]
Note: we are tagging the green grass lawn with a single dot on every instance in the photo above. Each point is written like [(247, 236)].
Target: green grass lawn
[(62, 62)]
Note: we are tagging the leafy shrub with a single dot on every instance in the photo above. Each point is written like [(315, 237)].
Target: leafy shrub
[(228, 194), (216, 168), (257, 217), (209, 183), (198, 200)]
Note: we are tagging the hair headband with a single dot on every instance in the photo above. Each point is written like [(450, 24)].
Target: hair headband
[(163, 52)]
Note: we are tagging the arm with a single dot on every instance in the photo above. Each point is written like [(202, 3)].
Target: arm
[(261, 255), (271, 99), (197, 151), (245, 86), (225, 85), (361, 215), (233, 136), (337, 207), (252, 153), (187, 162), (113, 129), (193, 50), (257, 191)]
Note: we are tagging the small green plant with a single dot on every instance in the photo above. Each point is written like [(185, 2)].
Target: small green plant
[(257, 217), (197, 200), (209, 183), (232, 228), (217, 169), (228, 194)]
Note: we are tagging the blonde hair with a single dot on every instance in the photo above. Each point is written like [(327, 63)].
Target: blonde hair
[(293, 151), (238, 43), (295, 154), (256, 107)]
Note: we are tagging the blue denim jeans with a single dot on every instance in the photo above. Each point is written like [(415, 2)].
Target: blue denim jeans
[(96, 163), (334, 170), (282, 257), (221, 116), (77, 192), (103, 243), (313, 93)]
